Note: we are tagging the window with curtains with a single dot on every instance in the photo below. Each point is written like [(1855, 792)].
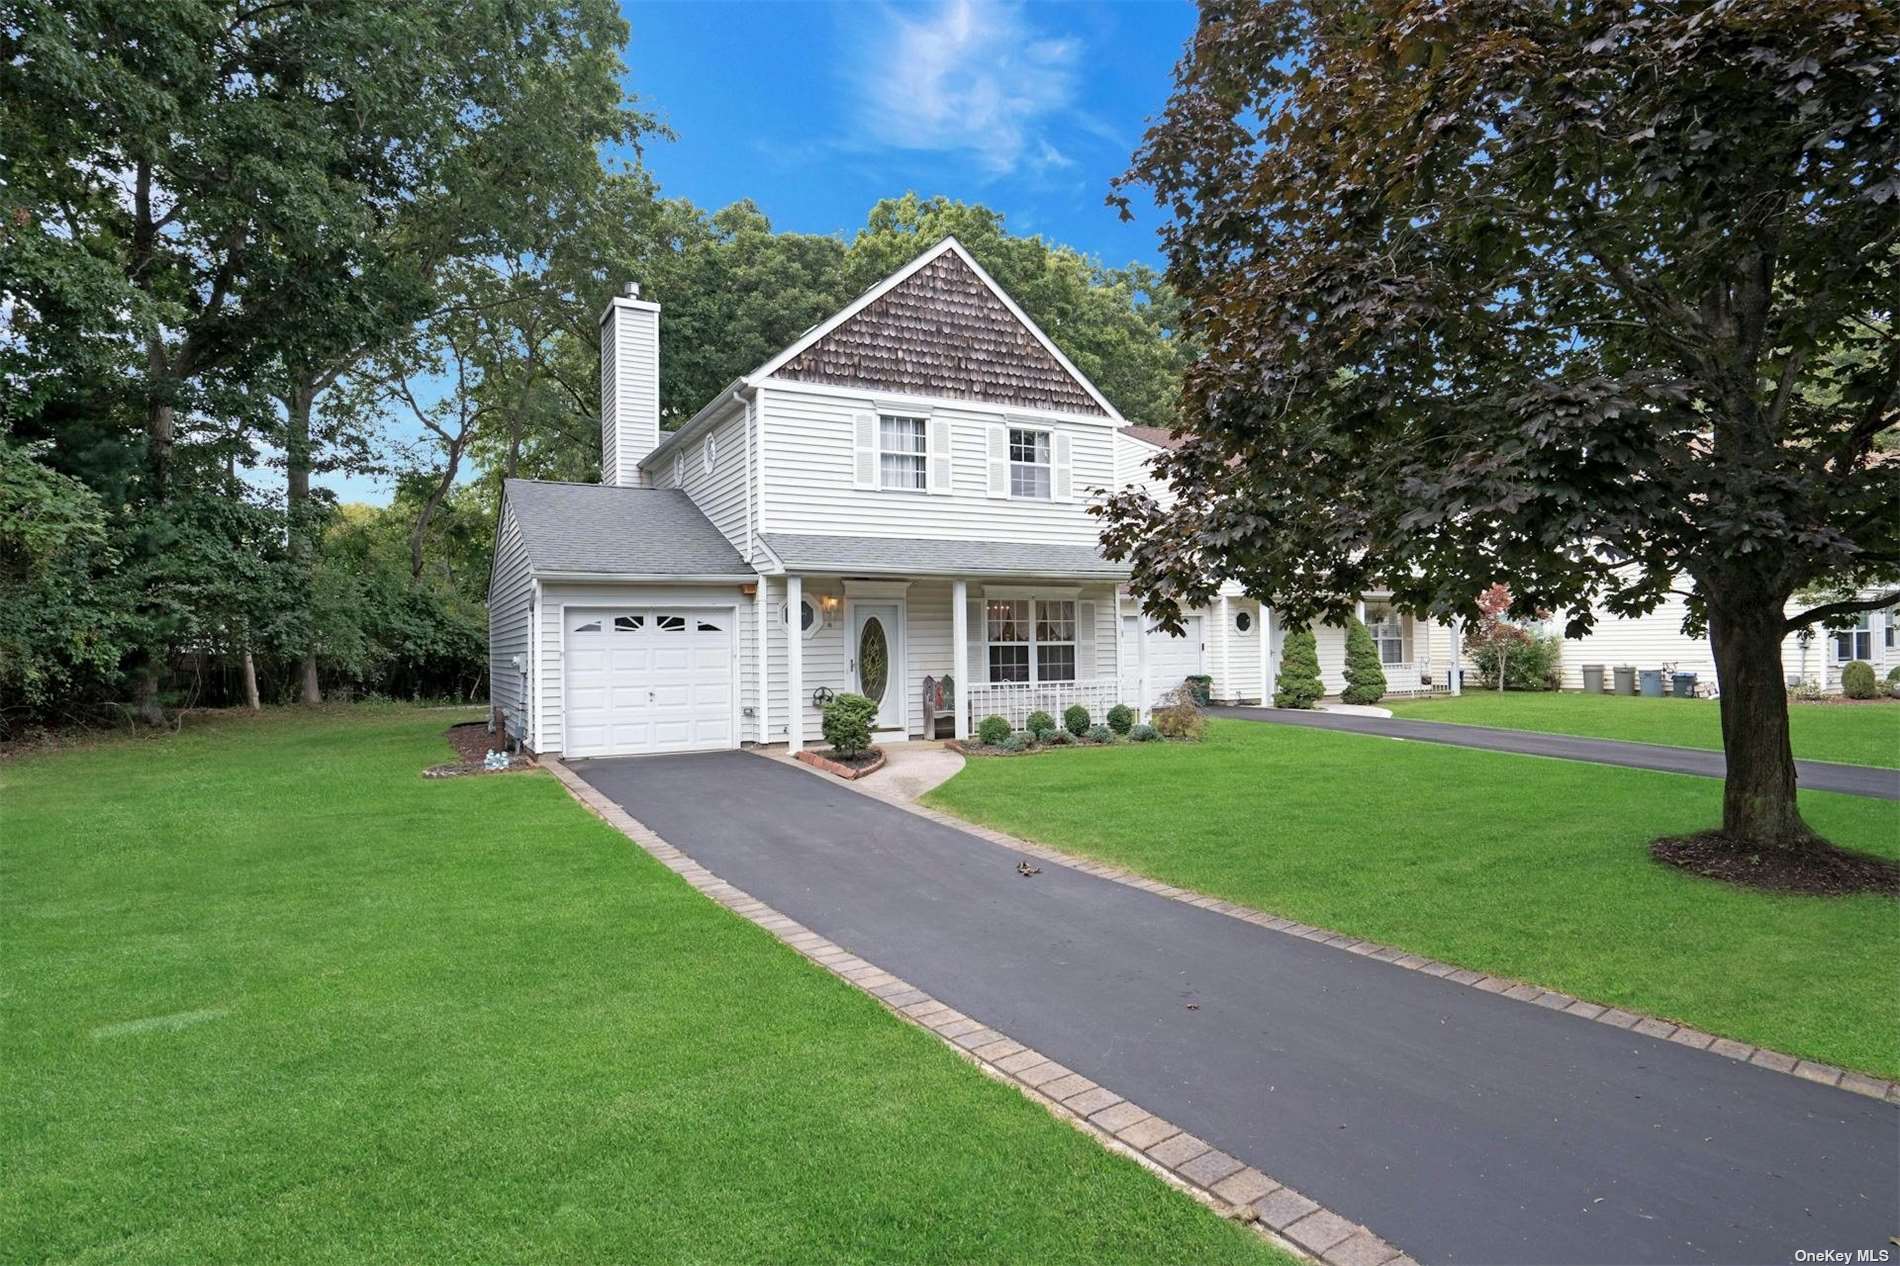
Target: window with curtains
[(1029, 464), (901, 453), (1388, 634), (1030, 641)]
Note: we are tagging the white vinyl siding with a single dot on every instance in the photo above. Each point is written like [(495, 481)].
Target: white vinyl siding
[(719, 492), (556, 596), (510, 593), (810, 482), (629, 390)]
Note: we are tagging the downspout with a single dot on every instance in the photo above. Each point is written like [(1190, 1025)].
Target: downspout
[(534, 670)]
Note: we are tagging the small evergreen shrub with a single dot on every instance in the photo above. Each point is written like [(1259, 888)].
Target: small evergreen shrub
[(1178, 716), (1298, 685), (1059, 738), (1039, 723), (1857, 680), (1121, 717), (846, 724), (1143, 733), (1201, 688), (1014, 743), (1075, 718), (1100, 734), (1893, 675), (992, 729), (1365, 678)]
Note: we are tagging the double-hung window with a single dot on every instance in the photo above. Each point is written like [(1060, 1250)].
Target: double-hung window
[(1030, 641), (1854, 643), (902, 450), (1029, 464), (1389, 636)]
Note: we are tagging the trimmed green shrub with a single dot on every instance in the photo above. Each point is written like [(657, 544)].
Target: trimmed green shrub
[(1100, 734), (992, 729), (1059, 738), (1857, 680), (847, 723), (1014, 743), (1121, 717), (1365, 678), (1040, 723), (1075, 718), (1298, 685), (1893, 675), (1144, 733)]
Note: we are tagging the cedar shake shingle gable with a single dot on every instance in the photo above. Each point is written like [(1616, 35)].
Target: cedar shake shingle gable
[(943, 332)]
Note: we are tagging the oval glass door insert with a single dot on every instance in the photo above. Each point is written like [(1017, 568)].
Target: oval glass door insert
[(874, 660)]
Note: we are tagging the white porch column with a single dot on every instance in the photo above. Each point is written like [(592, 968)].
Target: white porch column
[(1267, 683), (1226, 651), (1453, 670), (1359, 610), (762, 642), (1141, 660), (960, 652), (794, 663)]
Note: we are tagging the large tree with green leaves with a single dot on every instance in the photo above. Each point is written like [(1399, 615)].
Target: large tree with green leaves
[(1550, 295)]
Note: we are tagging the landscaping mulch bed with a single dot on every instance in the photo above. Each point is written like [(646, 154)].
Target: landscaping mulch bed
[(472, 743), (865, 762), (1822, 869)]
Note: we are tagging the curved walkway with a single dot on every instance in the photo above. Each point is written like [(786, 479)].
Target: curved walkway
[(1813, 775), (1461, 1125)]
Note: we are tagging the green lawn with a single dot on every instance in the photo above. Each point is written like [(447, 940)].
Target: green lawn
[(269, 996), (1857, 734), (1512, 865)]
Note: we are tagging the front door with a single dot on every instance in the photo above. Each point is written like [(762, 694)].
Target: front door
[(877, 659)]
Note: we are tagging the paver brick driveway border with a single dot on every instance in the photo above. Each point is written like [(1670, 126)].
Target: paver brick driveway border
[(1290, 1220)]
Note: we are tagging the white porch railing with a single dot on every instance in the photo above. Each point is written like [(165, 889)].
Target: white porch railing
[(1404, 679), (1015, 700)]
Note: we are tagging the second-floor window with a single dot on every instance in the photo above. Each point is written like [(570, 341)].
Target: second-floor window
[(1029, 464), (902, 450)]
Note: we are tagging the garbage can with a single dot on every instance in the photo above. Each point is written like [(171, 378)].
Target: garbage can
[(1593, 679), (1684, 685), (1652, 683), (1624, 675)]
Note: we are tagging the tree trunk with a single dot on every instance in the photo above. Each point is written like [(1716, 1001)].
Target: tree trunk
[(148, 709), (251, 700), (297, 404), (1758, 795)]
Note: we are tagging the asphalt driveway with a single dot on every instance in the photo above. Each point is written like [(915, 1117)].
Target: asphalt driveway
[(1461, 1126), (1812, 775)]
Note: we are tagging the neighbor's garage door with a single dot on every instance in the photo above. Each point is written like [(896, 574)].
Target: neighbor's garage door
[(646, 680), (1171, 660)]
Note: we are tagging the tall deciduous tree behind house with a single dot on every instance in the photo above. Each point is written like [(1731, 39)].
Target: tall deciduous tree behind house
[(1546, 295)]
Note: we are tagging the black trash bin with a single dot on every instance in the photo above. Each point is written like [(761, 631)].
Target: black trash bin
[(1684, 685)]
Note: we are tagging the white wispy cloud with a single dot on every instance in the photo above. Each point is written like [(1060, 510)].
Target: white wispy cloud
[(964, 76)]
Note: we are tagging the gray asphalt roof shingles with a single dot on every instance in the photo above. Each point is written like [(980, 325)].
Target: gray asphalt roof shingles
[(608, 530)]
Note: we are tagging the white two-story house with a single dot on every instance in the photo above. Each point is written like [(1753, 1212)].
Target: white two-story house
[(897, 498)]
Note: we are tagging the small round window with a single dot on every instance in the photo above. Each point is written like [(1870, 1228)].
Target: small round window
[(1244, 621), (710, 454), (807, 616)]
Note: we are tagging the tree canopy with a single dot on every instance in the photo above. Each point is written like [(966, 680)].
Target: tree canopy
[(1592, 301)]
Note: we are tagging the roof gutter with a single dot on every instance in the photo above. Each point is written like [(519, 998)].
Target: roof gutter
[(642, 577)]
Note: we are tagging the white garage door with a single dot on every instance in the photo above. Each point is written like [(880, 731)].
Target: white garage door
[(648, 680), (1171, 660)]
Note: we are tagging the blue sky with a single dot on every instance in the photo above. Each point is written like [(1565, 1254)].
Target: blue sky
[(816, 109)]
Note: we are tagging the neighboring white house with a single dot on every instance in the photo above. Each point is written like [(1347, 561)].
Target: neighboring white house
[(900, 495)]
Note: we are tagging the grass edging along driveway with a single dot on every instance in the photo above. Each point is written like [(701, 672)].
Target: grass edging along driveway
[(1513, 867), (265, 985), (1847, 733)]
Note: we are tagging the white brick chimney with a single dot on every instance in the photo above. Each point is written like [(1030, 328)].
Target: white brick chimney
[(629, 385)]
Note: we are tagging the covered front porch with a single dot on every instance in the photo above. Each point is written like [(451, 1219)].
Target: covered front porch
[(967, 630)]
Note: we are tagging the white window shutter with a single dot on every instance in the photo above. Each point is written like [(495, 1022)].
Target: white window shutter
[(1061, 476), (1086, 668), (999, 461), (938, 478), (865, 450)]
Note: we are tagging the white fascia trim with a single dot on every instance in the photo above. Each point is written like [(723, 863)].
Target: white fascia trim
[(1030, 591), (884, 400), (872, 569), (903, 274), (773, 566), (621, 301), (646, 578), (709, 413), (876, 588)]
